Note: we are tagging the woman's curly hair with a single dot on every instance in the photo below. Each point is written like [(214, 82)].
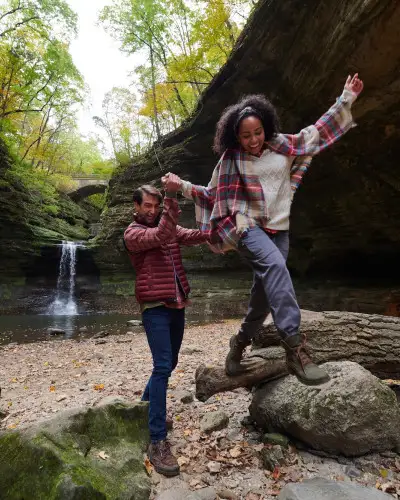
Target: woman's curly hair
[(227, 126)]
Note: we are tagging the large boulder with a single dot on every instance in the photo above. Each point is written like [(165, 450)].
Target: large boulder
[(93, 453), (353, 414), (325, 489)]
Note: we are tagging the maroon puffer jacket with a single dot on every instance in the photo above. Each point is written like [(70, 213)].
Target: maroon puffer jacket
[(156, 256)]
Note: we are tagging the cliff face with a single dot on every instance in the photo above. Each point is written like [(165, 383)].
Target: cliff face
[(299, 52), (25, 227)]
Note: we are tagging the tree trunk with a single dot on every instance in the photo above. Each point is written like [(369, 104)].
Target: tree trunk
[(373, 341), (153, 89)]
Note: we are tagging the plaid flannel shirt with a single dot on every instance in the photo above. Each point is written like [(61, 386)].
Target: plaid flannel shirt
[(235, 188)]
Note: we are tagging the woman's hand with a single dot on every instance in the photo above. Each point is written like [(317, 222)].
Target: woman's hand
[(171, 182), (354, 84)]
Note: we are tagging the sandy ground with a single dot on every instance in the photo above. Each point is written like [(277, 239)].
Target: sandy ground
[(41, 379)]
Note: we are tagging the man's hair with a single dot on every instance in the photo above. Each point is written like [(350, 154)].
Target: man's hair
[(147, 189), (250, 105)]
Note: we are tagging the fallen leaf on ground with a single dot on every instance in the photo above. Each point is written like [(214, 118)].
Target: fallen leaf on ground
[(52, 388), (103, 455), (388, 488), (235, 452), (98, 387), (148, 466), (183, 461), (276, 473)]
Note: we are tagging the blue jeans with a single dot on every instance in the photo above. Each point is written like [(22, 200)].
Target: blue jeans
[(272, 285), (164, 329)]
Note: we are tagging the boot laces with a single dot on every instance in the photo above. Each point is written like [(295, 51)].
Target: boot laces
[(302, 353), (164, 448)]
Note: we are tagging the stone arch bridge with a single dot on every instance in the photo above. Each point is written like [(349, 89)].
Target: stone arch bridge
[(86, 185)]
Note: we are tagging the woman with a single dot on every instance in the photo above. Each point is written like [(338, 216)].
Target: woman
[(246, 207)]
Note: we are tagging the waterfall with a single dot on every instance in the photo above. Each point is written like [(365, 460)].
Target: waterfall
[(64, 302)]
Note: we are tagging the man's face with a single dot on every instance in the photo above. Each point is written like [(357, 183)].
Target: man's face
[(148, 210)]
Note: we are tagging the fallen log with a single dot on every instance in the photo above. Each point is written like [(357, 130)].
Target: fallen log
[(373, 341)]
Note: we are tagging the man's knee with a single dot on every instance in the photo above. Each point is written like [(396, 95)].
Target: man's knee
[(163, 368)]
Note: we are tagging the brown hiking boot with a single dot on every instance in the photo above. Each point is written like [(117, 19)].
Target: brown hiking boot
[(233, 360), (163, 460), (299, 363)]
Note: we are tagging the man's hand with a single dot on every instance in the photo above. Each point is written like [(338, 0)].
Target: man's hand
[(171, 183), (354, 84)]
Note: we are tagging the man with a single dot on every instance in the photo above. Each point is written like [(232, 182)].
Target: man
[(153, 241)]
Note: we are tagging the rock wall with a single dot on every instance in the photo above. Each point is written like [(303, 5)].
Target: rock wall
[(299, 52), (26, 228)]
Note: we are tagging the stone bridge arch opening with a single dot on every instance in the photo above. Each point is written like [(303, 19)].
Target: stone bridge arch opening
[(88, 185)]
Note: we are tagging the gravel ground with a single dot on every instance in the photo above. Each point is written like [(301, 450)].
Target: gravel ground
[(40, 379)]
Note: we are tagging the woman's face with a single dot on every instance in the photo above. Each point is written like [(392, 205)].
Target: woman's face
[(251, 135)]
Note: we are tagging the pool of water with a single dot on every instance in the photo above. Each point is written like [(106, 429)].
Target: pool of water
[(34, 328)]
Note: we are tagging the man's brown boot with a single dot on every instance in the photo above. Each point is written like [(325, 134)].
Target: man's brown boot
[(163, 460), (235, 355), (299, 363)]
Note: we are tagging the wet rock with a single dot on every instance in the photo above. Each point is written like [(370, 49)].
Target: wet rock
[(214, 421), (55, 331), (352, 414), (332, 490), (83, 329)]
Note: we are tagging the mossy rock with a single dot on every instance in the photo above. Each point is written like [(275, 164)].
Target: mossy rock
[(59, 459)]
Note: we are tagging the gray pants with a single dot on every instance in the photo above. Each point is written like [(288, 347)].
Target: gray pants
[(272, 285)]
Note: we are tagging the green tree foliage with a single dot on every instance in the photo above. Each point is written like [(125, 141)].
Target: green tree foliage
[(185, 44), (40, 92)]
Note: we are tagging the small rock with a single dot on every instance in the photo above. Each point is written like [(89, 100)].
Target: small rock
[(275, 438), (227, 494), (207, 493), (101, 341), (130, 333), (83, 329), (61, 397), (388, 454), (189, 350), (100, 335), (214, 421), (213, 467), (124, 341), (134, 322), (272, 457), (352, 471), (174, 494), (55, 331), (185, 397), (231, 483)]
